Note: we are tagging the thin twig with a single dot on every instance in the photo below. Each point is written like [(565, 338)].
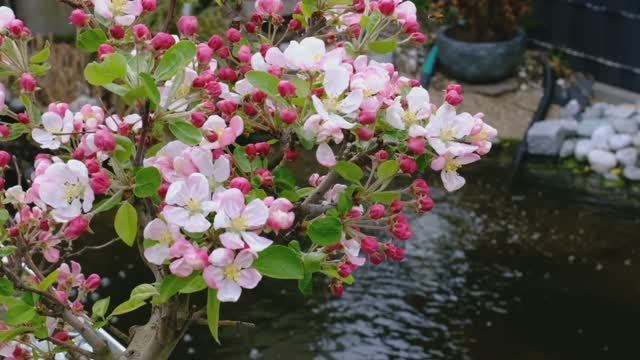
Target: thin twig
[(170, 15), (72, 348), (17, 168)]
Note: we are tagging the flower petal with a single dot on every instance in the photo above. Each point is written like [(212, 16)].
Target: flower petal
[(249, 278), (229, 290)]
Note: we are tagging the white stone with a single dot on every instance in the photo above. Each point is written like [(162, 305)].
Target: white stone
[(627, 156), (635, 139), (621, 111), (567, 148), (602, 161), (600, 137), (586, 127), (546, 137), (583, 148), (625, 126), (631, 173), (619, 141)]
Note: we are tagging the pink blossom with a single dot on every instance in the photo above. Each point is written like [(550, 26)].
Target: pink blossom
[(280, 215), (123, 12), (164, 235), (226, 135), (230, 272), (115, 122), (446, 131), (47, 242), (65, 187), (186, 258), (56, 130), (448, 165), (69, 277), (189, 203), (241, 221), (269, 7), (89, 117)]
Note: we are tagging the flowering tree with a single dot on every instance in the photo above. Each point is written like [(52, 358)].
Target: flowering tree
[(206, 169)]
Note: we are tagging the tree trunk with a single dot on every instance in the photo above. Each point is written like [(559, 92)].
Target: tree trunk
[(155, 340)]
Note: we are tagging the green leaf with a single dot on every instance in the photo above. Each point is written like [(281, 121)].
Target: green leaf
[(309, 7), (148, 181), (127, 306), (39, 69), (387, 169), (171, 285), (124, 148), (175, 59), (279, 262), (107, 204), (196, 284), (240, 156), (19, 313), (117, 89), (17, 130), (150, 88), (213, 313), (303, 192), (349, 171), (313, 261), (383, 46), (126, 223), (263, 81), (100, 307), (385, 197), (185, 132), (332, 272), (284, 178), (7, 335), (90, 40), (345, 200), (6, 287), (48, 281), (143, 292), (326, 231), (42, 55), (114, 66), (4, 216), (302, 87), (305, 285), (7, 250)]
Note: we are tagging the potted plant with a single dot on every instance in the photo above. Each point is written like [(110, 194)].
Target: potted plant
[(484, 42)]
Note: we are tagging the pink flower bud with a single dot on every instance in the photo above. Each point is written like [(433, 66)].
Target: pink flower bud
[(295, 25), (24, 118), (426, 203), (198, 118), (364, 133), (92, 282), (265, 176), (394, 252), (250, 150), (100, 182), (79, 18), (4, 131), (104, 50), (117, 32), (250, 26), (78, 153), (291, 154), (397, 206), (16, 27), (92, 165), (227, 74), (75, 228), (408, 165), (215, 42), (455, 87), (387, 7), (337, 288), (263, 148), (211, 136), (411, 26), (264, 48), (241, 184), (417, 145), (233, 35), (223, 53), (61, 336), (27, 82), (286, 88), (188, 25), (213, 88), (376, 258), (105, 140), (149, 5), (288, 116), (376, 211), (258, 96), (5, 158), (244, 54), (418, 37), (381, 156), (369, 244), (227, 106), (453, 98), (141, 31), (249, 109), (162, 41)]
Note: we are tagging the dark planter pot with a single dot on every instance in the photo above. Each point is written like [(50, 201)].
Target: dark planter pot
[(482, 61)]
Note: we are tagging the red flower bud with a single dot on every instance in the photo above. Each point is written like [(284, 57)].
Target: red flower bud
[(104, 50), (337, 288), (265, 176), (408, 165), (188, 25), (117, 32), (5, 158), (263, 148), (24, 118), (369, 244), (140, 31), (250, 26), (198, 118), (286, 88), (291, 154), (149, 5), (381, 156), (250, 150), (387, 7), (79, 18), (105, 140), (100, 182), (426, 203), (288, 116), (204, 53), (27, 82), (397, 206), (416, 145), (162, 41), (241, 184), (92, 165), (258, 96), (376, 211), (418, 37), (92, 282), (227, 74), (223, 52), (215, 42), (4, 131), (75, 228), (364, 133), (295, 25), (453, 98), (233, 35), (227, 106)]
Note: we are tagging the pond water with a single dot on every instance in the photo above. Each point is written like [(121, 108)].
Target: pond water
[(529, 271)]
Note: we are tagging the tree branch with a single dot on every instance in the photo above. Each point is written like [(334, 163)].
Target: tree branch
[(170, 15), (72, 348)]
